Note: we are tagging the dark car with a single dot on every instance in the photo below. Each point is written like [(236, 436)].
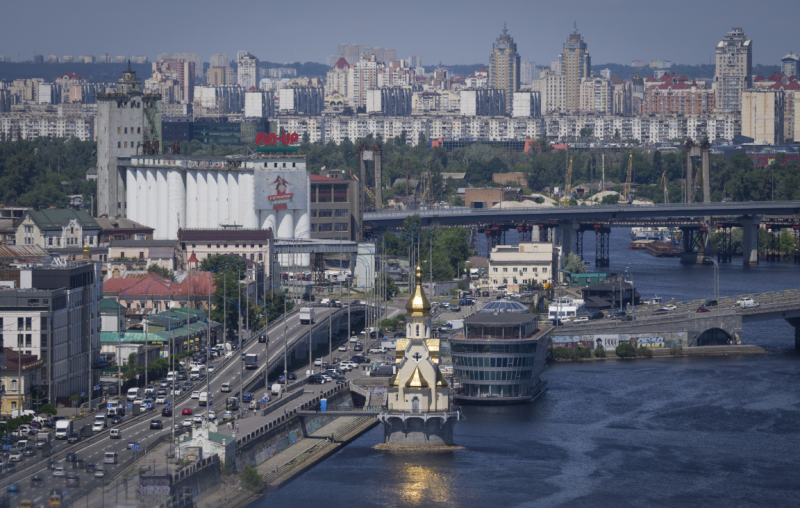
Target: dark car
[(73, 481), (73, 438), (37, 481), (596, 315), (308, 298), (455, 308), (29, 451), (710, 303), (71, 457), (247, 397), (292, 376), (358, 347), (116, 420), (659, 312), (359, 359), (466, 302), (316, 379), (35, 425), (187, 385), (262, 338), (156, 424), (355, 302), (13, 488), (79, 464), (53, 464), (91, 468), (167, 411)]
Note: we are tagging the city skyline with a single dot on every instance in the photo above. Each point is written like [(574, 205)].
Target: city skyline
[(618, 32)]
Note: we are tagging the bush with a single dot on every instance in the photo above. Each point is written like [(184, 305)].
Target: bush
[(252, 480), (600, 353), (676, 350), (610, 199), (563, 353), (645, 352), (583, 352), (226, 467), (48, 409), (625, 350)]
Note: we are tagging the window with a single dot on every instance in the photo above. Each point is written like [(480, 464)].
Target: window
[(417, 330), (505, 270), (544, 270), (28, 338), (126, 130), (313, 228), (28, 323), (524, 270), (494, 269), (138, 130), (13, 385), (260, 257), (122, 254), (514, 269), (20, 323), (141, 255), (344, 212), (119, 129), (341, 226), (43, 340), (119, 144), (313, 213), (126, 144), (326, 227), (326, 213), (19, 340)]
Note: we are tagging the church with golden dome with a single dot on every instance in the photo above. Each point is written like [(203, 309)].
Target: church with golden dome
[(417, 409)]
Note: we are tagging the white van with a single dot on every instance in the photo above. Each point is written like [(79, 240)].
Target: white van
[(226, 387), (133, 394), (171, 376), (277, 389), (110, 457), (100, 423)]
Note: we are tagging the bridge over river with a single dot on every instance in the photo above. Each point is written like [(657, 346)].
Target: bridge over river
[(715, 327)]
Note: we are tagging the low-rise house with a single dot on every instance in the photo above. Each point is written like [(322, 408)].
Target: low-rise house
[(57, 228)]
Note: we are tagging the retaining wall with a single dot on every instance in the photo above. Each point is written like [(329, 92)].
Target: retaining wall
[(200, 478)]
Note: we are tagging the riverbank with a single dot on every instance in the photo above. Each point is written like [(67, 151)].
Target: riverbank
[(733, 350)]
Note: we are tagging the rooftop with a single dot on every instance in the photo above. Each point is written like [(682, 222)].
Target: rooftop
[(502, 307), (225, 234)]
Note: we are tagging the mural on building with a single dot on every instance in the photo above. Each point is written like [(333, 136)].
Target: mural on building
[(611, 341)]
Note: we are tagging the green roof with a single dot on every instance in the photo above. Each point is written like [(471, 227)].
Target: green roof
[(109, 304), (217, 438), (54, 220)]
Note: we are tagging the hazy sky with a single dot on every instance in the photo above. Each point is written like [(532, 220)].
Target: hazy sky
[(453, 31)]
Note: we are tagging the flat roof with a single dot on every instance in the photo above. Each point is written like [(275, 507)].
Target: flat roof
[(502, 318)]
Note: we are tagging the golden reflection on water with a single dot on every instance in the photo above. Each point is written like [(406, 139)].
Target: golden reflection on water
[(421, 486)]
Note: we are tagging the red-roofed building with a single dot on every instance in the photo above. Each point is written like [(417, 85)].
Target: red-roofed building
[(155, 292), (341, 63), (675, 95)]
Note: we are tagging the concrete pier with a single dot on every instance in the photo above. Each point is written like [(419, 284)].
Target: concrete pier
[(750, 239)]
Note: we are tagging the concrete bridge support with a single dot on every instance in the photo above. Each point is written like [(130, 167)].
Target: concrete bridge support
[(750, 239), (796, 323), (568, 233)]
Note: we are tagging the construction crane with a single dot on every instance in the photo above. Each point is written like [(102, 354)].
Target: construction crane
[(366, 190), (664, 186), (568, 184), (627, 189)]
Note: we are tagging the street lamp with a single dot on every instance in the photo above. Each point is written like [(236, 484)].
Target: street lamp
[(716, 275)]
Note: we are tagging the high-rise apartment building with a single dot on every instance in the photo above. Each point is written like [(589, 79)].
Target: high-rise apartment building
[(789, 64), (504, 67), (575, 64), (219, 76), (219, 60), (247, 74), (527, 72), (363, 76), (734, 71), (337, 78)]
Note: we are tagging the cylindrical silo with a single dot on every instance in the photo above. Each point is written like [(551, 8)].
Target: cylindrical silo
[(141, 196), (302, 221), (130, 193), (233, 198), (202, 199), (164, 198), (191, 199), (268, 219), (152, 201), (285, 229), (177, 203), (212, 206), (247, 205), (222, 199)]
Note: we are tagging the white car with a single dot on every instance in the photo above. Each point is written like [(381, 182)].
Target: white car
[(98, 427), (195, 395), (378, 350), (342, 348), (187, 422), (210, 369), (581, 320), (198, 420), (59, 472), (348, 365), (669, 307), (176, 392), (138, 400), (229, 354), (161, 399), (318, 362), (212, 415), (15, 456), (747, 302), (353, 339)]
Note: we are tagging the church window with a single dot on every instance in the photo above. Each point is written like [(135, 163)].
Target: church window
[(417, 330)]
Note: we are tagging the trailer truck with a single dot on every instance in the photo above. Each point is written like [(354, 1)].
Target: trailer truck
[(251, 361)]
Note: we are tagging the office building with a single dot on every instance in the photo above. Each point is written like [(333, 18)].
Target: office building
[(789, 64), (219, 76), (575, 64), (524, 264), (504, 67), (335, 209), (54, 312), (247, 72), (734, 69), (129, 122)]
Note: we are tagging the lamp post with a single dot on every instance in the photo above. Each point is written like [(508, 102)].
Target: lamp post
[(716, 275)]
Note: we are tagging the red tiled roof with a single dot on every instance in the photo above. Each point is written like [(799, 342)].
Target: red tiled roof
[(794, 85), (70, 75), (759, 78), (341, 63), (157, 286), (253, 88), (683, 78), (193, 258), (118, 284), (650, 79), (318, 178), (776, 77)]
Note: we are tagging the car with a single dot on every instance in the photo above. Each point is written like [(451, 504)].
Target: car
[(73, 481), (455, 308), (710, 303), (316, 379), (195, 395), (53, 464), (348, 365), (702, 309), (747, 302), (15, 456), (148, 404), (164, 384), (212, 415), (359, 359), (669, 307), (354, 338), (99, 473), (79, 464), (71, 457), (149, 390), (342, 348), (115, 434), (318, 362), (131, 444), (91, 468), (156, 424), (292, 376), (187, 423), (581, 320), (378, 350), (211, 369), (59, 472), (186, 411), (225, 388), (138, 400), (187, 385), (661, 311), (358, 347), (37, 481), (116, 420), (326, 376), (161, 399), (167, 412), (336, 360), (229, 354), (198, 420), (13, 488), (161, 391), (29, 451)]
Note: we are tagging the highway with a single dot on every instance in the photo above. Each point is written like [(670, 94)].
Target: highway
[(93, 449)]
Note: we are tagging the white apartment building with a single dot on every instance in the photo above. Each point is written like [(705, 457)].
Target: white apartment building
[(33, 125), (247, 73), (362, 76), (526, 263), (734, 71)]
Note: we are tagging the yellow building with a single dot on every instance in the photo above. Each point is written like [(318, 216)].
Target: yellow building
[(21, 373), (522, 264)]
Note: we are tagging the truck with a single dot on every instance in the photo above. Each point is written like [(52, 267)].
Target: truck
[(115, 407), (455, 324), (307, 315), (389, 344), (63, 429), (251, 361), (43, 438)]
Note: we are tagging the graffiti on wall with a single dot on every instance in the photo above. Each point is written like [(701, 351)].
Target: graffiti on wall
[(611, 341)]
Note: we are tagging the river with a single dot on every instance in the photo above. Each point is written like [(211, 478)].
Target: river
[(665, 432)]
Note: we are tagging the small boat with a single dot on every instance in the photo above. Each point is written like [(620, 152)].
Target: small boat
[(662, 250)]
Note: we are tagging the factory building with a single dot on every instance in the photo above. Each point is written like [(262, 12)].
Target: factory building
[(169, 193)]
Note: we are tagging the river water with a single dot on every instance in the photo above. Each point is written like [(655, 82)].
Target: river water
[(666, 432)]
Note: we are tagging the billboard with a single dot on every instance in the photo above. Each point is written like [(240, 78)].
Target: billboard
[(281, 189)]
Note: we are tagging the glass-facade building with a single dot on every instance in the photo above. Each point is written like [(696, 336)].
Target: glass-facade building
[(498, 358)]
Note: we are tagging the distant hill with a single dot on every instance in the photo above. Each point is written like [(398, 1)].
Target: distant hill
[(94, 73)]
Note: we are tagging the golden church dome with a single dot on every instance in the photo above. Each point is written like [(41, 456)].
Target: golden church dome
[(418, 304)]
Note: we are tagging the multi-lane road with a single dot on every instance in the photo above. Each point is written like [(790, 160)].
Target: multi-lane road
[(92, 450)]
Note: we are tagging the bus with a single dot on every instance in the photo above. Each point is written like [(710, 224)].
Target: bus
[(232, 404)]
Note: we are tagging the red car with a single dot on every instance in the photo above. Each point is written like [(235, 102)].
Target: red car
[(702, 309), (187, 411)]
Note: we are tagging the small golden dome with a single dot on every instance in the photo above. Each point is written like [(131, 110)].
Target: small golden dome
[(418, 304), (86, 251), (416, 381)]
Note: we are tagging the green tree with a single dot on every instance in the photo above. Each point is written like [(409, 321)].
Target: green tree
[(48, 409), (160, 270), (252, 480), (586, 132), (574, 263), (625, 350), (391, 287), (610, 199)]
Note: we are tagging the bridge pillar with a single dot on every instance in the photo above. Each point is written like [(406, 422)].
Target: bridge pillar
[(750, 239), (601, 235), (796, 323), (568, 230)]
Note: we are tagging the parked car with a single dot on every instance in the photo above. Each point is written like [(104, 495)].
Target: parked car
[(316, 379), (581, 320)]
